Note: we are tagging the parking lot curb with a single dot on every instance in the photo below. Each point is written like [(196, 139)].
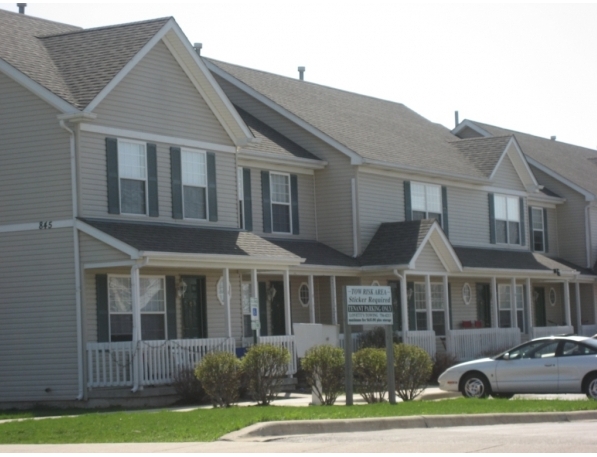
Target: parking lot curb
[(267, 431)]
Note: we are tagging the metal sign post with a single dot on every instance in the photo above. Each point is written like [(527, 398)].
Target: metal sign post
[(255, 324)]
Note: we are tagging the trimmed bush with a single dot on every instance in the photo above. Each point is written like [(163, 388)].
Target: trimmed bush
[(324, 368), (264, 367), (412, 367), (219, 373), (375, 338), (189, 388), (370, 374)]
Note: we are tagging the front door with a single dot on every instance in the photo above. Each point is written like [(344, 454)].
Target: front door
[(194, 308), (484, 304), (540, 312), (277, 307)]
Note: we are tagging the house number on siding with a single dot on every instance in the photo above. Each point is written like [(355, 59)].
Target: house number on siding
[(45, 225)]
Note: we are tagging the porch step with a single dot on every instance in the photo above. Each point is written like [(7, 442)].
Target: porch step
[(148, 397)]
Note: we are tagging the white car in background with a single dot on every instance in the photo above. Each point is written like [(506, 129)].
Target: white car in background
[(557, 364)]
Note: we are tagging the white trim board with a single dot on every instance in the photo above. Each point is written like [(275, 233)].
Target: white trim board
[(32, 226)]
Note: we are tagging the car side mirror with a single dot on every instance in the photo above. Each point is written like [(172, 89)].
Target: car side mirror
[(506, 356)]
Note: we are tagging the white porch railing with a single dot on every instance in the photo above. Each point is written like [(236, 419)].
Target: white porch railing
[(111, 364), (423, 338), (355, 337), (473, 343), (588, 330), (285, 341), (538, 332)]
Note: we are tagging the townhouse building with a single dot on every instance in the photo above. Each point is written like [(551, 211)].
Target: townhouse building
[(150, 193)]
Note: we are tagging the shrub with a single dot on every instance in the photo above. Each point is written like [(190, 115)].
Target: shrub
[(375, 338), (324, 369), (412, 367), (189, 388), (219, 373), (264, 366), (441, 363), (371, 374)]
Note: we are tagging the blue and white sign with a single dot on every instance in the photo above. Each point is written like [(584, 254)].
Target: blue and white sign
[(369, 305)]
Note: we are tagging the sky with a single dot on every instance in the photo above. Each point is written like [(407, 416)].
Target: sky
[(526, 67)]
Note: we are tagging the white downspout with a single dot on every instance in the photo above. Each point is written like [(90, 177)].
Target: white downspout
[(588, 235), (135, 292), (78, 301)]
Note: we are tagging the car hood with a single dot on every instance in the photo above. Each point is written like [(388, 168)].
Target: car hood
[(478, 364)]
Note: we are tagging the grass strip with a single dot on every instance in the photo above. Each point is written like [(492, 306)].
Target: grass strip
[(211, 424)]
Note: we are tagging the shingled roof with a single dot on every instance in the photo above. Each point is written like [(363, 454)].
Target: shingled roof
[(316, 253), (499, 259), (484, 153), (375, 129), (73, 63)]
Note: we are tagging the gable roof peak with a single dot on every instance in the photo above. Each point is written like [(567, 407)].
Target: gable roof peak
[(108, 27)]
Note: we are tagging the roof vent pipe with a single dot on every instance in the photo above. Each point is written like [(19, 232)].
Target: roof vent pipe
[(301, 71), (21, 7), (198, 47), (456, 118), (553, 138)]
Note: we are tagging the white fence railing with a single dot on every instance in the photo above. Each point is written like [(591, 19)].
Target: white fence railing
[(473, 343), (285, 341), (588, 330), (538, 332), (111, 364), (423, 338)]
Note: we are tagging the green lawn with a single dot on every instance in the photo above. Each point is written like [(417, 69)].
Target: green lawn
[(210, 424)]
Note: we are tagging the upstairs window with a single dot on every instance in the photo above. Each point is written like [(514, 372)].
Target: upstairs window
[(194, 184), (241, 198), (538, 228), (280, 197), (507, 219), (132, 170), (426, 201)]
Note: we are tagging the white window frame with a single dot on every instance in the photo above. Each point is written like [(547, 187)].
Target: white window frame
[(540, 219), (185, 152), (241, 197), (272, 202), (121, 176), (141, 278), (505, 303), (425, 208), (511, 216)]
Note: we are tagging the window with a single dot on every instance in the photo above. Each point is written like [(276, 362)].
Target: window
[(281, 204), (194, 184), (507, 219), (426, 201), (572, 348), (535, 350), (152, 303), (505, 306), (538, 229), (437, 308), (304, 294), (132, 173), (241, 198)]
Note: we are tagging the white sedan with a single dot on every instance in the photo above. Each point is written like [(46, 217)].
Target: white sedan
[(560, 364)]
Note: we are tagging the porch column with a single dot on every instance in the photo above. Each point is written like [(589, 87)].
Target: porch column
[(578, 316), (530, 313), (226, 275), (311, 300), (136, 308), (568, 317), (255, 290), (287, 302), (334, 300), (495, 323), (447, 306), (428, 302), (404, 304), (513, 304)]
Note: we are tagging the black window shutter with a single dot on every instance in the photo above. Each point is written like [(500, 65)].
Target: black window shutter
[(212, 188), (523, 232), (412, 318), (101, 305), (408, 214), (450, 306), (294, 201), (171, 306), (152, 179), (445, 211), (491, 219), (248, 204), (266, 200), (176, 174), (531, 236), (545, 243), (112, 175)]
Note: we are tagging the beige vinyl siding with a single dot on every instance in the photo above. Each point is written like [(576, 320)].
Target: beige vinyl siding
[(35, 155), (158, 97), (593, 228), (94, 251), (461, 311), (468, 217), (332, 184), (38, 330), (570, 220), (507, 177), (381, 199), (552, 232), (300, 313), (428, 260), (94, 189), (587, 311)]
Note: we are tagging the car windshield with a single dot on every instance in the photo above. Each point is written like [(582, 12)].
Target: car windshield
[(542, 348)]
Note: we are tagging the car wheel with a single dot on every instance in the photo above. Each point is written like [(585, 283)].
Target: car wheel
[(504, 396), (591, 389), (475, 385)]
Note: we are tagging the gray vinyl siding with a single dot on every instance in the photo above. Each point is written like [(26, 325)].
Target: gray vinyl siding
[(570, 220), (593, 223), (332, 184), (38, 331), (94, 251), (35, 156), (552, 232), (428, 260), (94, 190), (506, 176), (158, 97), (468, 213), (460, 310), (381, 199)]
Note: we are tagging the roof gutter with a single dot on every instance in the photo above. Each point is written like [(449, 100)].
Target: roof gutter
[(236, 259)]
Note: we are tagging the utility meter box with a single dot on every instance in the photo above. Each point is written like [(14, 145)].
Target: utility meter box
[(308, 335)]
